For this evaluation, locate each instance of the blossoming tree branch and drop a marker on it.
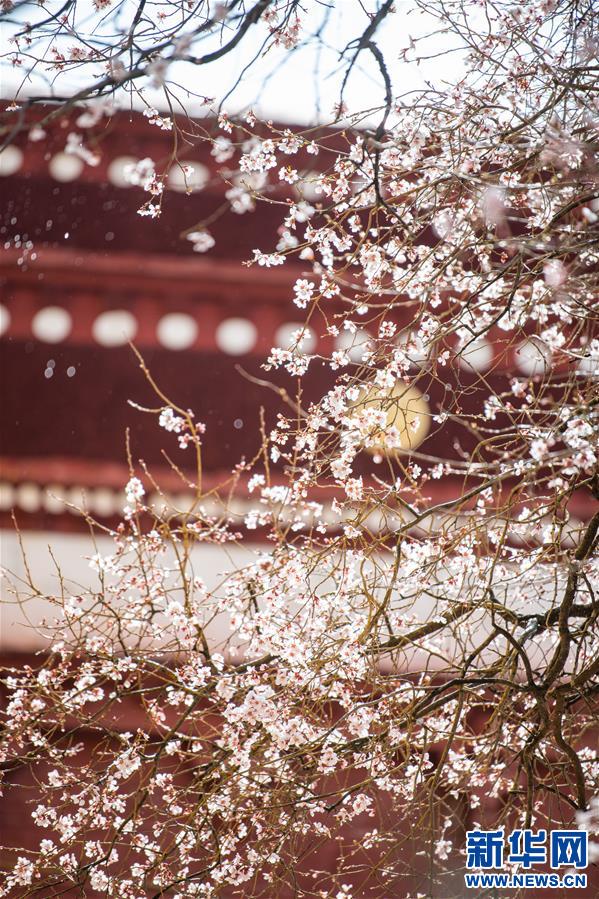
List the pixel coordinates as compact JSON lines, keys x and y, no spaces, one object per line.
{"x":415,"y":648}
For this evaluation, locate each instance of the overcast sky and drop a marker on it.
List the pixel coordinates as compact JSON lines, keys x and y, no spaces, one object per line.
{"x":299,"y":86}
